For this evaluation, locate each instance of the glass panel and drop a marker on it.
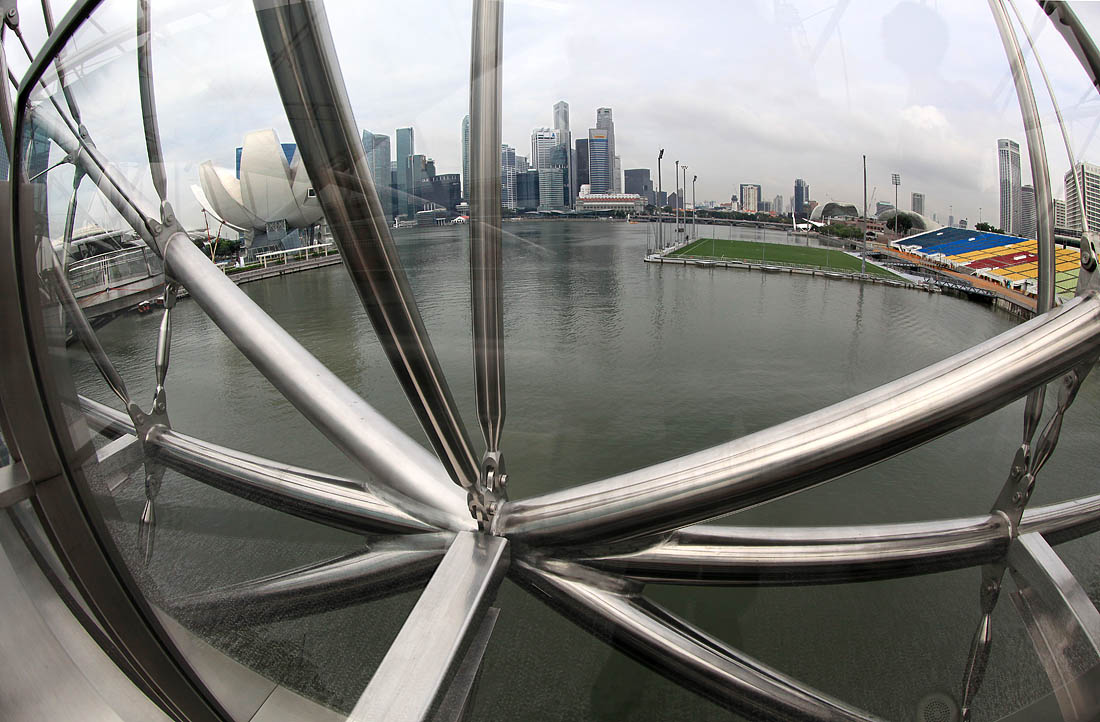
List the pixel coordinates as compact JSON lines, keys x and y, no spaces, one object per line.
{"x":657,"y":304}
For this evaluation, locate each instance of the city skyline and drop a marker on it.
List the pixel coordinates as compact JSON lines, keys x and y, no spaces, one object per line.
{"x":930,"y":111}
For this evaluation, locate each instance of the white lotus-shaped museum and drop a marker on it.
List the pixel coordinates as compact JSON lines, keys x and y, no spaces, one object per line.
{"x":269,"y":190}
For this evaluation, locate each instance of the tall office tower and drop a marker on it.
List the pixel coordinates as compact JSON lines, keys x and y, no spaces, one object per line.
{"x":606,"y":123}
{"x":638,"y":182}
{"x":1060,"y":213}
{"x":522,"y":166}
{"x":801,"y":197}
{"x":559,"y":160}
{"x":1029,"y":226}
{"x":581,"y":164}
{"x":565,"y":138}
{"x":1088,"y":175}
{"x":416,"y":170}
{"x":377,"y":148}
{"x":777,"y":205}
{"x":542,"y":141}
{"x":917,"y":203}
{"x":405,"y":149}
{"x":508,"y":176}
{"x":551,"y":189}
{"x":599,"y":161}
{"x":617,"y":180}
{"x":950,"y":221}
{"x":466,"y":158}
{"x":750,"y":198}
{"x":1008,"y":162}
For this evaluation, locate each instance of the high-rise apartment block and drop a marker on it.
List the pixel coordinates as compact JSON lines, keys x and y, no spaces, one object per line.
{"x":916,"y":204}
{"x":1008,"y":164}
{"x":751,"y":194}
{"x":1060,"y":213}
{"x":777,"y":205}
{"x":1088,"y":175}
{"x":508,"y":176}
{"x":1029,"y":227}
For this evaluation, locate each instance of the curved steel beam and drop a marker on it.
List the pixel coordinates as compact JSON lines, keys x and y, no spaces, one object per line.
{"x":384,"y":569}
{"x":307,"y":73}
{"x":674,"y":648}
{"x":817,"y":447}
{"x":331,"y":500}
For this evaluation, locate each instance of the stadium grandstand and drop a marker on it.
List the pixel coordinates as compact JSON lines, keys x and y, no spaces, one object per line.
{"x":1008,"y":260}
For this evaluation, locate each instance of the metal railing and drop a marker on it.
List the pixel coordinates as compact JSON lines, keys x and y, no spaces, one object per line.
{"x":111,"y":270}
{"x":586,"y":550}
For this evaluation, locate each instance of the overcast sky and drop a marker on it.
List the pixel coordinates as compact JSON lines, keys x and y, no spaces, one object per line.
{"x":743,"y":91}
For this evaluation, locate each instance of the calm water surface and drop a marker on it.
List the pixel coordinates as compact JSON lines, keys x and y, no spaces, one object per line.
{"x":612,"y":364}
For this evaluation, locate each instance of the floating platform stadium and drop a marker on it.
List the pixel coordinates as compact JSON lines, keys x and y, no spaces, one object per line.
{"x":1010,"y":261}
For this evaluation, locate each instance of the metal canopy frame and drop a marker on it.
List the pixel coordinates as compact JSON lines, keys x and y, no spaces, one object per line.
{"x":587,"y":551}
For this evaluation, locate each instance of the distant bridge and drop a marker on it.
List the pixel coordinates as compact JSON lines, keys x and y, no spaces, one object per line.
{"x":113,"y":282}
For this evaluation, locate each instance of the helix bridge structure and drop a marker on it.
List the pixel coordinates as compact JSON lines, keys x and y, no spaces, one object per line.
{"x":441,"y":520}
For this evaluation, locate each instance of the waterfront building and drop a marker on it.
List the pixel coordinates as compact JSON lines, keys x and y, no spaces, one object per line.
{"x":439,"y":192}
{"x":581,"y":162}
{"x":638,"y":182}
{"x":542,"y":141}
{"x":1008,"y":164}
{"x":416,"y":170}
{"x":1088,"y":174}
{"x":551,"y":189}
{"x":605,"y":122}
{"x":599,"y":161}
{"x":522,"y":166}
{"x":1029,"y":227}
{"x":527,"y":190}
{"x":508,"y":176}
{"x":801,"y":198}
{"x":559,"y":159}
{"x":777,"y":205}
{"x":595,"y":202}
{"x":751,"y":195}
{"x":916,"y":203}
{"x":882,"y":206}
{"x":406,"y":147}
{"x":565,"y":139}
{"x":1060,"y":213}
{"x":466,"y":158}
{"x":377,"y":148}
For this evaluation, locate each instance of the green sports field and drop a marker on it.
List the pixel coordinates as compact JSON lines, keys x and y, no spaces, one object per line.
{"x":779,"y":254}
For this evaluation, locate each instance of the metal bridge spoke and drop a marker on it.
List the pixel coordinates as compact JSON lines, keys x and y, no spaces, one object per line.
{"x":307,"y":73}
{"x":676,"y":649}
{"x":414,"y":674}
{"x":385,"y":568}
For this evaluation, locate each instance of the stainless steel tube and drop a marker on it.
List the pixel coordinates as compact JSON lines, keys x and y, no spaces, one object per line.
{"x":398,"y":463}
{"x":486,"y":57}
{"x":1036,"y":152}
{"x":385,"y":568}
{"x":307,"y":73}
{"x":677,"y":650}
{"x":718,"y":555}
{"x":324,"y":498}
{"x":817,"y":447}
{"x":149,"y":100}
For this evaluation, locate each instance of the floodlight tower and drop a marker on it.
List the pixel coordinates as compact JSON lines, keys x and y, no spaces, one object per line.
{"x":895,"y":178}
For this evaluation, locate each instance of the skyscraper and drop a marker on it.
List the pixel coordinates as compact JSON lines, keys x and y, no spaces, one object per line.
{"x":599,"y":161}
{"x":377,"y":148}
{"x":777,"y":205}
{"x":1060,"y":213}
{"x":1008,"y":163}
{"x":466,"y":158}
{"x":405,"y":149}
{"x":565,"y":139}
{"x":757,"y":196}
{"x":605,"y":122}
{"x":581,"y":164}
{"x":542,"y":141}
{"x":508,"y":176}
{"x":1028,"y":222}
{"x":551,"y":189}
{"x":801,"y":197}
{"x":637,"y":181}
{"x":416,"y":170}
{"x":617,"y":175}
{"x":917,"y":203}
{"x":1089,"y":176}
